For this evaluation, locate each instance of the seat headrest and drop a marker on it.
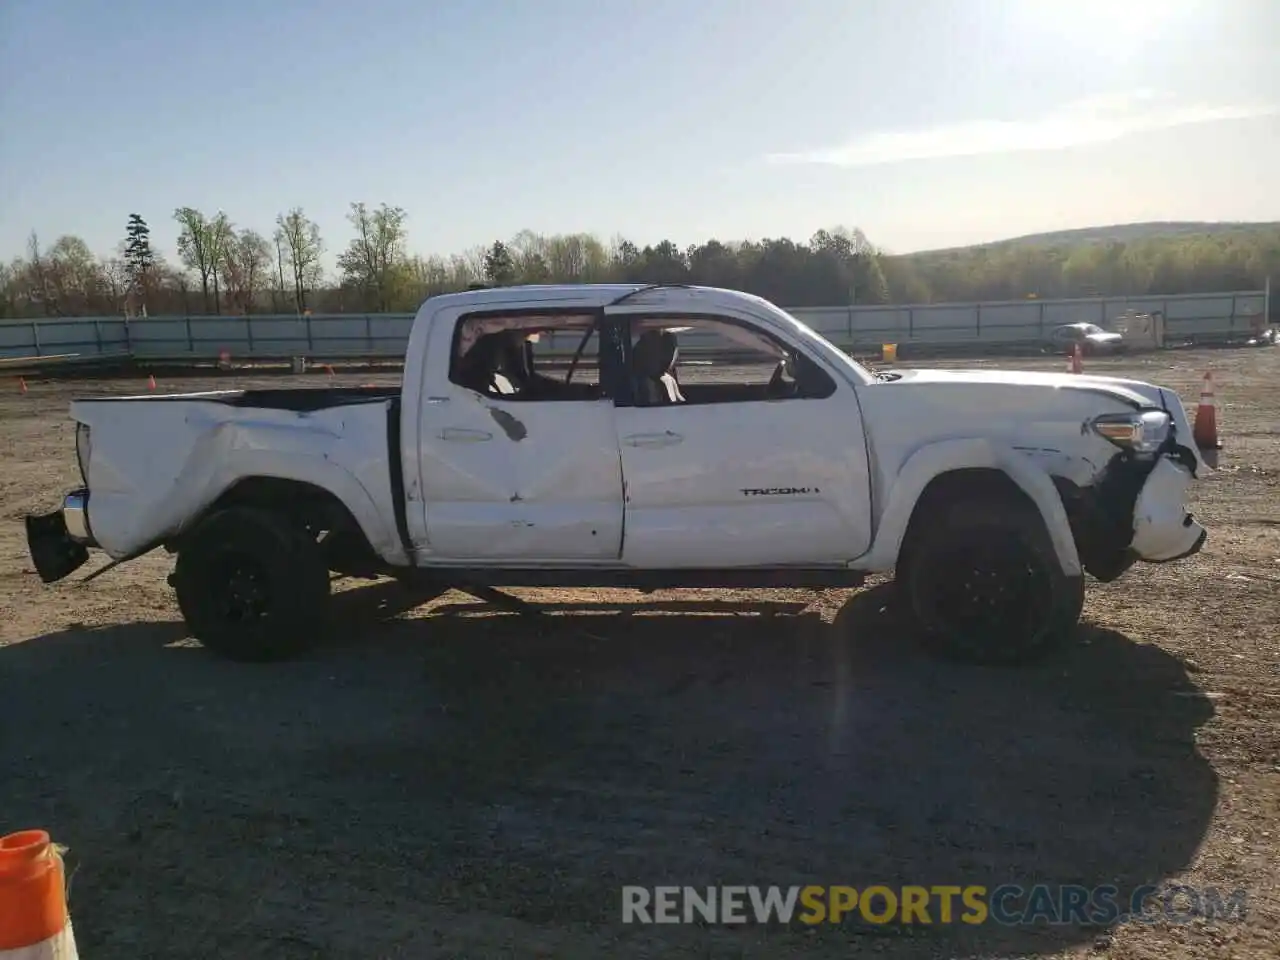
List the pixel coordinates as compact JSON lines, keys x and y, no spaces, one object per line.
{"x":515,"y":361}
{"x":654,"y":353}
{"x":486,"y":350}
{"x":478,"y":365}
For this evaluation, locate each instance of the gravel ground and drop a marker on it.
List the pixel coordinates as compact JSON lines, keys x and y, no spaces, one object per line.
{"x":452,"y":781}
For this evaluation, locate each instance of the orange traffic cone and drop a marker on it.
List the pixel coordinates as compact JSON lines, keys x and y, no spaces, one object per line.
{"x":1076,"y":362}
{"x":34,"y":923}
{"x":151,"y":382}
{"x":22,"y":384}
{"x":1205,"y":430}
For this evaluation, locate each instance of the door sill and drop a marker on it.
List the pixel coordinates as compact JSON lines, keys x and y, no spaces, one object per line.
{"x":543,"y":575}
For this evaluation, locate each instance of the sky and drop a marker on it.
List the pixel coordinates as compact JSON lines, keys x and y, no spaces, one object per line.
{"x":926,"y":123}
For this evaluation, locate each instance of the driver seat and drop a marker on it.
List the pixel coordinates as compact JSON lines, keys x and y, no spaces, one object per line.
{"x":653,"y":358}
{"x":483,"y":367}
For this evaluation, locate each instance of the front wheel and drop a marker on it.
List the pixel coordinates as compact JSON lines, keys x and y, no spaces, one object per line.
{"x":982,"y":584}
{"x":252,"y":585}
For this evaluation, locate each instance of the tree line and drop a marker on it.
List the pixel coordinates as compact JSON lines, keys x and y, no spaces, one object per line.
{"x":224,"y":269}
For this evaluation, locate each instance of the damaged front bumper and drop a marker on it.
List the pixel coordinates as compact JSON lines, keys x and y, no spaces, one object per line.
{"x":1136,"y":511}
{"x":1163,"y":530}
{"x":59,"y":542}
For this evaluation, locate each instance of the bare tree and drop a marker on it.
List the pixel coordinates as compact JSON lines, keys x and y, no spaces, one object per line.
{"x":302,"y":246}
{"x":244,"y":265}
{"x":429,"y":275}
{"x":74,"y":276}
{"x":10,"y":274}
{"x":119,"y":278}
{"x":529,"y":252}
{"x":177,"y":283}
{"x":462,"y":272}
{"x":277,"y":295}
{"x":38,"y":277}
{"x":475,"y":259}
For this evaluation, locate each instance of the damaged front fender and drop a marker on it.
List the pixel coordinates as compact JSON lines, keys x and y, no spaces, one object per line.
{"x":1162,"y":528}
{"x":1134,"y":510}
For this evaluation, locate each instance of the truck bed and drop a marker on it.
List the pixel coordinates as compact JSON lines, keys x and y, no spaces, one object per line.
{"x":156,"y":462}
{"x":297,"y":399}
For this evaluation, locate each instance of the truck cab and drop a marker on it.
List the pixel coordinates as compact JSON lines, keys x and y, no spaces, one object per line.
{"x":609,"y":433}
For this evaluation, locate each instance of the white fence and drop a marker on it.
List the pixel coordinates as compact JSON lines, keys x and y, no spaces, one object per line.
{"x":1202,"y":317}
{"x":1197,"y":317}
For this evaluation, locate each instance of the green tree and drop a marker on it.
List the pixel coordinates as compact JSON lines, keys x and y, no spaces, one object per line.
{"x":834,"y":267}
{"x":373,"y":260}
{"x":220,"y":237}
{"x":499,"y":267}
{"x":196,"y":246}
{"x":139,"y":261}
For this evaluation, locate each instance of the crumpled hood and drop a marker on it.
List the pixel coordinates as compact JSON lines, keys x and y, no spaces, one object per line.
{"x":1137,"y":392}
{"x":1133,"y":391}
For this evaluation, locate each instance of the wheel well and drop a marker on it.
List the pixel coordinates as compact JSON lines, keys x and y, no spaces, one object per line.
{"x":320,"y":512}
{"x":957,"y":486}
{"x":313,"y":506}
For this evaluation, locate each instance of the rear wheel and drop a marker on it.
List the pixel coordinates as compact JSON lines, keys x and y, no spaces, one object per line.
{"x":982,"y":583}
{"x":252,"y":585}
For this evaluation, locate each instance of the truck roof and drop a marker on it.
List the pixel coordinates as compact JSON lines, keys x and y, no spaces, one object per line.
{"x":691,"y":298}
{"x":588,"y":295}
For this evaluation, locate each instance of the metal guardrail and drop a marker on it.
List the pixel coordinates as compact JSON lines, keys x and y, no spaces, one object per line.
{"x":1201,"y":317}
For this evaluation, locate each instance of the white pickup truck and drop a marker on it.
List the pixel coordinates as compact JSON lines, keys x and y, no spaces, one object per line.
{"x":547,"y":435}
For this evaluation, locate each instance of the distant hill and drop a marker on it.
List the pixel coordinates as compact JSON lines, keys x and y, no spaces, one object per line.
{"x":1134,"y":259}
{"x":1122,"y":232}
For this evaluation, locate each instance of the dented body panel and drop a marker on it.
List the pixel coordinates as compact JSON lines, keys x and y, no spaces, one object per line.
{"x":1162,"y":530}
{"x":1035,"y":428}
{"x":156,"y":464}
{"x":517,"y":480}
{"x":439,"y":475}
{"x":491,"y":480}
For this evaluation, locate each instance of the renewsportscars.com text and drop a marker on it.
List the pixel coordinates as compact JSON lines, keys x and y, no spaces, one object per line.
{"x":1008,"y":904}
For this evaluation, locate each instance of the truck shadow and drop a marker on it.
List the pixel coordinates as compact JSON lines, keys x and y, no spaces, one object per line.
{"x":530,"y":770}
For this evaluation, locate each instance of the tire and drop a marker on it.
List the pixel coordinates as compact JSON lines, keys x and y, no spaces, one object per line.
{"x":982,"y":584}
{"x":252,"y":585}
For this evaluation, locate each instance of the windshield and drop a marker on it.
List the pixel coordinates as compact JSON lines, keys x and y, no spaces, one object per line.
{"x":826,"y":348}
{"x":1092,"y":328}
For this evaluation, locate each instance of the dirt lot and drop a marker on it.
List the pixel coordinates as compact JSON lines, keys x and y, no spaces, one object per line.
{"x":450,"y":781}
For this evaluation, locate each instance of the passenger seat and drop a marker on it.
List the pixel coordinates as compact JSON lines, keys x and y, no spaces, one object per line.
{"x":483,"y":364}
{"x":653,"y":358}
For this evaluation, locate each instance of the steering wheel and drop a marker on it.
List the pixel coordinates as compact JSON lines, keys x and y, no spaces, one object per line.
{"x":778,"y":387}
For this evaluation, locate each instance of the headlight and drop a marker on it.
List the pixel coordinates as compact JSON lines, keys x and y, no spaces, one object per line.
{"x":1143,"y":433}
{"x":83,"y":449}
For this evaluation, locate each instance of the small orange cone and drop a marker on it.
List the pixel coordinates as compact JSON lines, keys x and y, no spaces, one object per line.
{"x":34,"y":923}
{"x":329,"y":367}
{"x":1205,"y":430}
{"x":22,"y":384}
{"x":151,"y":382}
{"x":1076,"y":363}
